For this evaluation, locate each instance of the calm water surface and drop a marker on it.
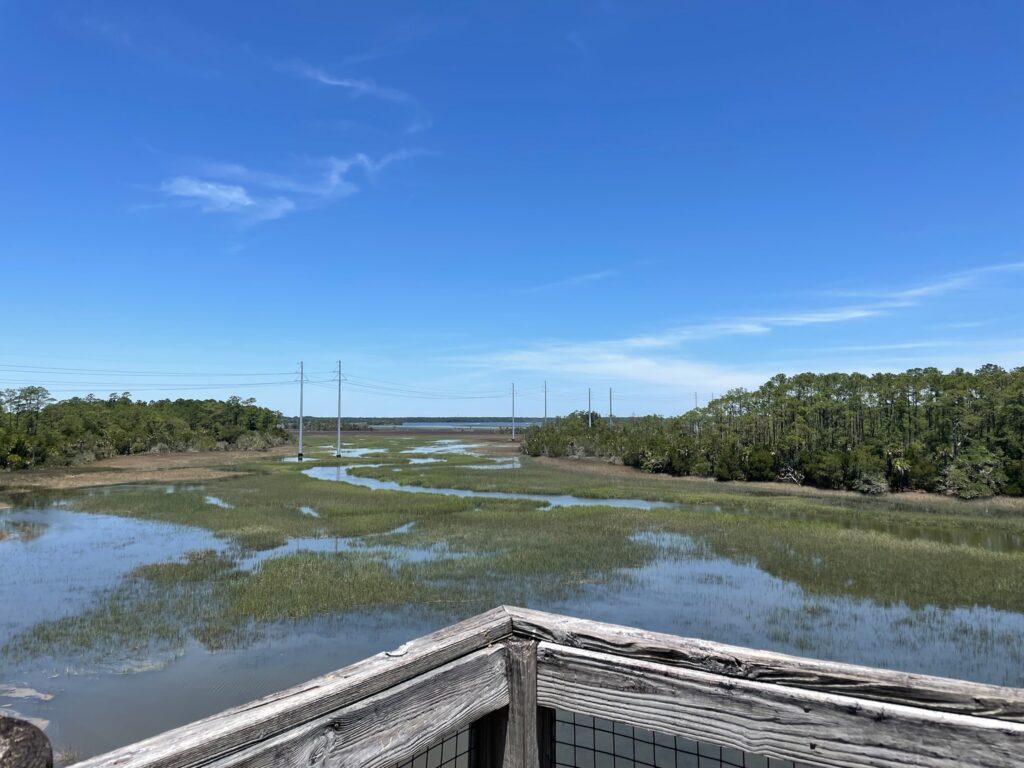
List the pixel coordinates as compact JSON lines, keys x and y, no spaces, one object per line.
{"x":59,"y":562}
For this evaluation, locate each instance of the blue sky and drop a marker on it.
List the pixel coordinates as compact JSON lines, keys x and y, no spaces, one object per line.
{"x":662,"y":198}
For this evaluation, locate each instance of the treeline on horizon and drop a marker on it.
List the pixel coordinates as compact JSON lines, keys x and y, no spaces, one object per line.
{"x":958,"y":433}
{"x":37,"y":430}
{"x":354,"y":423}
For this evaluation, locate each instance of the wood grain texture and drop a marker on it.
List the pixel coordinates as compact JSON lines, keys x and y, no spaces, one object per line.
{"x":23,"y":745}
{"x":204,"y":741}
{"x":390,"y":727}
{"x":821,"y":729}
{"x":521,"y":737}
{"x":935,"y":693}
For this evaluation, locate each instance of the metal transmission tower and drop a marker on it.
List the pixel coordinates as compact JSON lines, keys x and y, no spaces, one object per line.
{"x":338,"y":452}
{"x":302,"y":383}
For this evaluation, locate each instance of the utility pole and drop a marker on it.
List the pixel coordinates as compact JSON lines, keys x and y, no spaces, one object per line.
{"x":609,"y":405}
{"x":545,"y":401}
{"x":513,"y":410}
{"x":302,"y":383}
{"x":338,"y":453}
{"x":590,"y":410}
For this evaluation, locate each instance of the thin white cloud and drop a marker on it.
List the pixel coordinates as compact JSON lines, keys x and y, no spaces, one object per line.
{"x":938,"y":286}
{"x":969,"y":324}
{"x":214,"y":197}
{"x":589,"y":277}
{"x":603,"y":362}
{"x":816,"y":317}
{"x":357,"y":87}
{"x":746,"y":326}
{"x":882,"y":304}
{"x":661,"y":359}
{"x":231,"y":188}
{"x":975,"y":344}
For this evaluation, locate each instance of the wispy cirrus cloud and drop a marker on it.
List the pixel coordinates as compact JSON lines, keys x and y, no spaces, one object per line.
{"x":331,"y":177}
{"x":255,"y":195}
{"x":363,"y":87}
{"x":746,"y":326}
{"x":215,"y":197}
{"x":607,"y":361}
{"x":663,"y":359}
{"x":569,"y":282}
{"x":937,"y":286}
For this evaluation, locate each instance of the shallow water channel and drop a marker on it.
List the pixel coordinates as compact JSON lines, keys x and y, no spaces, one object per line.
{"x":342,"y":474}
{"x":58,"y":563}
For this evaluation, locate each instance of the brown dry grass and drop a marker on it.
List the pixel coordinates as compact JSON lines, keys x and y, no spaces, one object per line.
{"x":595,"y":466}
{"x":202,"y":465}
{"x":143,"y":468}
{"x":92,"y":479}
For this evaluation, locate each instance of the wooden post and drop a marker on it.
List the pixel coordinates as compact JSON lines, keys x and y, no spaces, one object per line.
{"x":521,"y":746}
{"x":23,"y":745}
{"x":505,"y":670}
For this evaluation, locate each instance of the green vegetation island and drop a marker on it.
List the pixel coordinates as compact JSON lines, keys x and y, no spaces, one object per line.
{"x":36,"y":430}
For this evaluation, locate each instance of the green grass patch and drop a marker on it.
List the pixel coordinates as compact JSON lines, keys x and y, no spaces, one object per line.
{"x":463,"y":555}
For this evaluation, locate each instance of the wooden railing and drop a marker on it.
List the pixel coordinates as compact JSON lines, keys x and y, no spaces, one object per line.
{"x":505,"y":671}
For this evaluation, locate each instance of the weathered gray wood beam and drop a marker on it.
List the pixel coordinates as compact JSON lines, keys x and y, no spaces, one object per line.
{"x":521,"y":737}
{"x":390,"y":727}
{"x":204,"y":741}
{"x":935,"y":693}
{"x":822,"y":729}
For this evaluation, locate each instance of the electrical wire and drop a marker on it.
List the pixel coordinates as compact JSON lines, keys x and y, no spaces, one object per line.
{"x":67,"y":379}
{"x":5,"y":367}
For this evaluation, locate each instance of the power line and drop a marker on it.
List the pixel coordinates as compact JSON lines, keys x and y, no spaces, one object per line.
{"x":77,"y":380}
{"x":175,"y":388}
{"x":372,"y":382}
{"x":129,"y":384}
{"x":61,"y":371}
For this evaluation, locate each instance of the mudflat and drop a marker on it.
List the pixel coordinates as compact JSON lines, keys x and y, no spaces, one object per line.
{"x":141,"y":468}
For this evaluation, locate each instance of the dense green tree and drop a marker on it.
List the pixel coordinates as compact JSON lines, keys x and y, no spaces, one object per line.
{"x":959,"y":433}
{"x":37,"y":430}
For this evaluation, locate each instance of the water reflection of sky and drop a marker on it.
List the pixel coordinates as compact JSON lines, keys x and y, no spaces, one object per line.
{"x":343,"y":475}
{"x":685,"y":589}
{"x":59,"y":572}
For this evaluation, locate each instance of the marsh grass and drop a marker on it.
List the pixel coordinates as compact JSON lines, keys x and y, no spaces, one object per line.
{"x":472,"y":553}
{"x":198,"y":566}
{"x":132,"y":621}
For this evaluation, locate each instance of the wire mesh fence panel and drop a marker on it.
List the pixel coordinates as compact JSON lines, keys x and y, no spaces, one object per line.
{"x":459,"y":750}
{"x":582,"y":741}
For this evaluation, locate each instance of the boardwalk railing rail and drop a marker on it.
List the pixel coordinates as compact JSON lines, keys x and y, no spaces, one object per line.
{"x":505,"y":672}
